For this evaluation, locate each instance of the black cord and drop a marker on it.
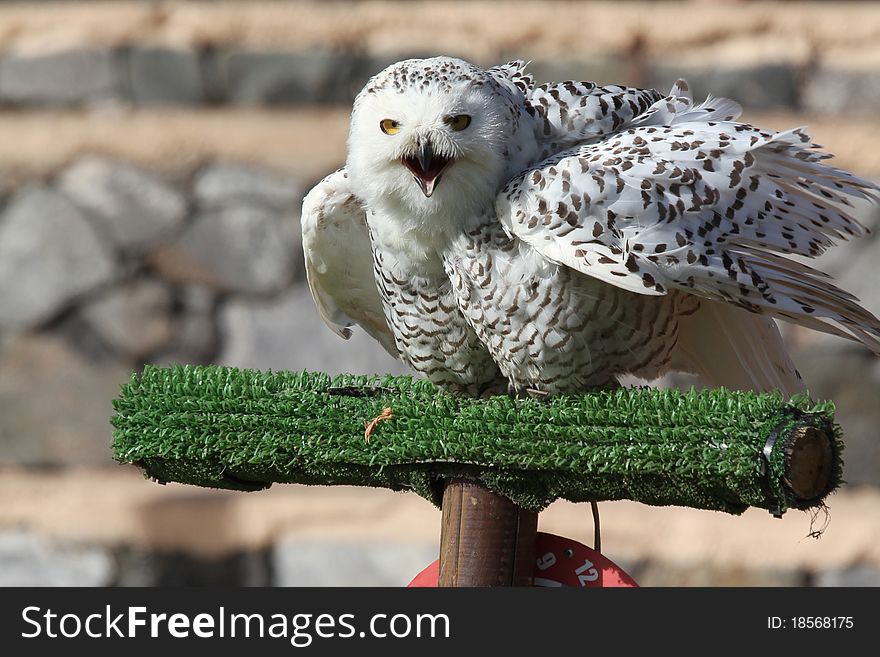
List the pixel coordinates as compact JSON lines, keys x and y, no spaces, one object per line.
{"x":597,"y":530}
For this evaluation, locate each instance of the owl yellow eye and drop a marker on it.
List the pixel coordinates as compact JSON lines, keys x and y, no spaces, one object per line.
{"x":389,"y":126}
{"x":459,"y":122}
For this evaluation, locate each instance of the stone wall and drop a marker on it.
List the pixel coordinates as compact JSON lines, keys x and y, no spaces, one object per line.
{"x":107,"y":266}
{"x":153,"y":158}
{"x":803,"y":56}
{"x":93,"y":525}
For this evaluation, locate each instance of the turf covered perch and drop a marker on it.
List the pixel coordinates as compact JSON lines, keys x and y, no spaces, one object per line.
{"x":241,"y":429}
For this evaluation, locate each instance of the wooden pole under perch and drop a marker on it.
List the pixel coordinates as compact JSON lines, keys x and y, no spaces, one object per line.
{"x":485,"y":539}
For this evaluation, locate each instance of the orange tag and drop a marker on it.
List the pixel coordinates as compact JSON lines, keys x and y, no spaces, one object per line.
{"x":560,"y":562}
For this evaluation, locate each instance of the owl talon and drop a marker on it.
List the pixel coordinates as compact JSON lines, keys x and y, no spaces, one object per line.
{"x":527,"y":393}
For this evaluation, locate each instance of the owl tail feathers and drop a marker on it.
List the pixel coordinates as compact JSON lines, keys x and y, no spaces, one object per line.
{"x":734,"y":348}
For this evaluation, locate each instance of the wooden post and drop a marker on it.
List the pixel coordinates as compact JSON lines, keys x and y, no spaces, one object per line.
{"x":485,"y":539}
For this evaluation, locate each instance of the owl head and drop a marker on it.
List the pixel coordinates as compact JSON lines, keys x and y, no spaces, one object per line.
{"x":437,"y":138}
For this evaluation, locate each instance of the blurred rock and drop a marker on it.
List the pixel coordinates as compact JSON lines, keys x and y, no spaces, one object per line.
{"x":662,"y":573}
{"x":134,"y":208}
{"x":8,"y":183}
{"x":194,"y":342}
{"x":55,"y":405}
{"x":156,"y":568}
{"x":846,"y":373}
{"x":28,"y":560}
{"x":289,"y":334}
{"x":160,"y":76}
{"x":834,"y":90}
{"x":602,"y":70}
{"x":238,"y":248}
{"x":858,"y":273}
{"x":134,"y":319}
{"x":855,"y":576}
{"x":290,"y":77}
{"x":78,"y":334}
{"x":49,"y":255}
{"x":197,"y":299}
{"x":303,"y":562}
{"x":61,"y":78}
{"x":771,"y":86}
{"x":224,"y":183}
{"x":194,"y":329}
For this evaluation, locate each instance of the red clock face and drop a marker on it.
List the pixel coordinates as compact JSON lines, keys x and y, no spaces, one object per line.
{"x":559,"y":562}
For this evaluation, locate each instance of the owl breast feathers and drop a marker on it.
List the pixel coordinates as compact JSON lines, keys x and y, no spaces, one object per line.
{"x":498,"y":235}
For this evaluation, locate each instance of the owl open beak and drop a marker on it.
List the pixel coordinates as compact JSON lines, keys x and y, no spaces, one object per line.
{"x":426,"y":167}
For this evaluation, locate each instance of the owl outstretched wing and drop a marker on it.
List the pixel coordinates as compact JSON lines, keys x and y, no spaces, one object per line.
{"x":686,"y":198}
{"x":339,"y":263}
{"x":571,"y":112}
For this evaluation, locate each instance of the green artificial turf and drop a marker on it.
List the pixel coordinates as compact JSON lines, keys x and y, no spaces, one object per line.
{"x":243,"y":429}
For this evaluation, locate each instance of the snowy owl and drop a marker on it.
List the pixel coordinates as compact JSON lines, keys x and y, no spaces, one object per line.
{"x":497,"y":235}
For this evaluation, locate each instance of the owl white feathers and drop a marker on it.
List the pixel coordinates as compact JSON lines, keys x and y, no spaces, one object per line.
{"x":496,"y":235}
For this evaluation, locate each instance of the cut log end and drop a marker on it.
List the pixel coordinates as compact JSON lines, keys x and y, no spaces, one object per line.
{"x":809,"y":460}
